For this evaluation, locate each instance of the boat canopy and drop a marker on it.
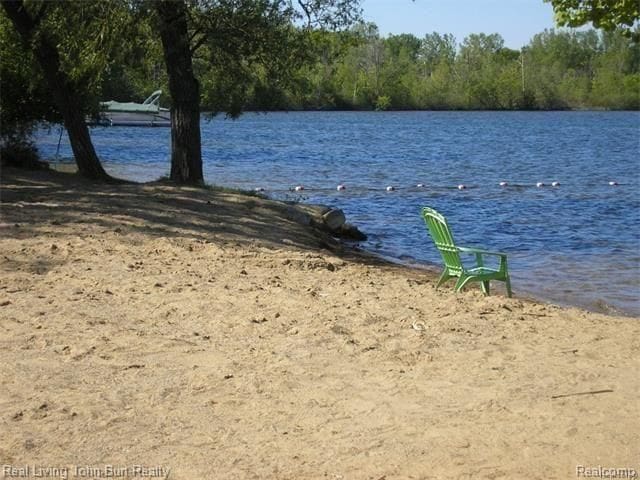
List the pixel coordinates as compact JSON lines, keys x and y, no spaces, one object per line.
{"x":150,"y":105}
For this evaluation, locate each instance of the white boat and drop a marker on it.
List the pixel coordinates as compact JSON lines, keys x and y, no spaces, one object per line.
{"x":130,"y":114}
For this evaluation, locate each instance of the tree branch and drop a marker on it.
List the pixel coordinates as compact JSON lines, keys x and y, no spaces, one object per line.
{"x":40,"y":13}
{"x":195,"y":32}
{"x":306,"y":11}
{"x":198,"y":44}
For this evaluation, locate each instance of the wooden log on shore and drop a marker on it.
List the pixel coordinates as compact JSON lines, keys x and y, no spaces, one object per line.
{"x":327,"y":219}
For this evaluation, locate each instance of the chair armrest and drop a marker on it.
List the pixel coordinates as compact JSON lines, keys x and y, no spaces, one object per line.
{"x":480,"y":251}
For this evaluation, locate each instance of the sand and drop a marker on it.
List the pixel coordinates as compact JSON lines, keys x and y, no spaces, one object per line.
{"x":205,"y":334}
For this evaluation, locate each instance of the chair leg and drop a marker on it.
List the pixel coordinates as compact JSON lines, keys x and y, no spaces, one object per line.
{"x":508,"y":285}
{"x":485,"y":287}
{"x":462,"y":281}
{"x":443,"y":278}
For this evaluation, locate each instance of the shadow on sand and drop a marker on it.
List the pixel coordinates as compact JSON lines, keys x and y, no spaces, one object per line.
{"x":50,"y":203}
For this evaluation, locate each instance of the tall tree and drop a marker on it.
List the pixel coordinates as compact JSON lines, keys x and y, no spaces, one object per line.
{"x":63,"y":87}
{"x":186,"y":153}
{"x":436,"y":49}
{"x":235,"y":31}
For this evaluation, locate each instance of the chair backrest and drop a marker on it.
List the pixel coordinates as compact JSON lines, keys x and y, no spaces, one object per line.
{"x":443,"y":238}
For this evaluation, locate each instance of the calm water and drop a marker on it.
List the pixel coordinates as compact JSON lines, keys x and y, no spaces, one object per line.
{"x":573,"y":244}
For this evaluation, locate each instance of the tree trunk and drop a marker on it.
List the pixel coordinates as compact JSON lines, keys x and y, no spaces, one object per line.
{"x":186,"y":154}
{"x":61,"y":87}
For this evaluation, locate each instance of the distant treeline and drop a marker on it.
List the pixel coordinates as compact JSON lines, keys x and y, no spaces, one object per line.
{"x":360,"y":70}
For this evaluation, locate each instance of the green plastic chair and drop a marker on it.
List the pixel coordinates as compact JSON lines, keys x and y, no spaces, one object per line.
{"x":453,"y":266}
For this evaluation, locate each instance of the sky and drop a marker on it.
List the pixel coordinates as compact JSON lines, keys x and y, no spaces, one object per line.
{"x":517,"y":21}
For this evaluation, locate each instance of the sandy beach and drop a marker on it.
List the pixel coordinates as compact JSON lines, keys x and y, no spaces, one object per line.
{"x":203,"y":334}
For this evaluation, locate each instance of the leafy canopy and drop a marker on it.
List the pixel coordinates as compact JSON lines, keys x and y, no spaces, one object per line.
{"x":604,"y":14}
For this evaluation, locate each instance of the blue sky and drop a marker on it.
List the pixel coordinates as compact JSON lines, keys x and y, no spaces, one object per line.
{"x":516,"y":20}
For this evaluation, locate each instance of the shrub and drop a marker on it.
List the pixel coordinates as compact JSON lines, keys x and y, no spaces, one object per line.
{"x":19,"y":151}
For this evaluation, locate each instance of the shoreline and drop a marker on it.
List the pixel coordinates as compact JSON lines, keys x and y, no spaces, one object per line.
{"x":213,"y":334}
{"x":595,"y":306}
{"x":585,"y":109}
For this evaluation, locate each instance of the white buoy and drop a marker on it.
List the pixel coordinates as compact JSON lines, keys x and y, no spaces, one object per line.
{"x":259,"y":189}
{"x":555,"y":184}
{"x":299,"y":188}
{"x":390,"y":188}
{"x":461,"y":187}
{"x":539,"y":184}
{"x":613,"y":184}
{"x":420,"y":185}
{"x":503,"y":184}
{"x":341,"y":187}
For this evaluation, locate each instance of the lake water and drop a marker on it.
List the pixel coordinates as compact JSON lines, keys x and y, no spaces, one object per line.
{"x":576,"y":244}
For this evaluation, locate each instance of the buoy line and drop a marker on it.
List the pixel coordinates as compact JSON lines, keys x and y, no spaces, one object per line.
{"x":342,"y":187}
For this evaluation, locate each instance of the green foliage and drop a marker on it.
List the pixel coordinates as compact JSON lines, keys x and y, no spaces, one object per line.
{"x":616,"y":82}
{"x":88,"y":37}
{"x":137,"y":68}
{"x":262,"y":54}
{"x":557,"y":70}
{"x":19,"y":151}
{"x":276,"y":66}
{"x":25,"y":99}
{"x":608,"y":15}
{"x":248,"y":49}
{"x":382,"y":103}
